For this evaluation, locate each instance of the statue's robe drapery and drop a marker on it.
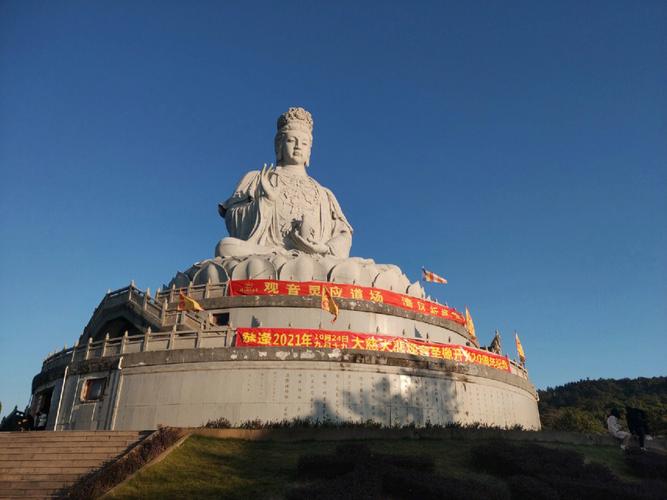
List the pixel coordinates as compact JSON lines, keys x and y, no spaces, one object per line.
{"x":251,"y":217}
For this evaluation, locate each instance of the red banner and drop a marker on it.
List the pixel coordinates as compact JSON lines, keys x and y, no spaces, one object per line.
{"x":344,"y":291}
{"x":328,"y":339}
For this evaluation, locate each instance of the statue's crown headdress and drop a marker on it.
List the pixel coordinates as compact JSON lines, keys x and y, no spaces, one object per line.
{"x":295,"y":119}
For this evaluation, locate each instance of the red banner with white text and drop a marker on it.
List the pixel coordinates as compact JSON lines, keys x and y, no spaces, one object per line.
{"x":328,"y":339}
{"x":344,"y":291}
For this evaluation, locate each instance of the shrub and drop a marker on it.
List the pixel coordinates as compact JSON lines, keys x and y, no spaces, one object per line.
{"x":506,"y":459}
{"x":354,"y":471}
{"x":424,"y":486}
{"x":576,"y":420}
{"x":219,"y":423}
{"x":530,"y":488}
{"x":323,"y":466}
{"x":646,"y":464}
{"x":253,"y":424}
{"x":530,"y":467}
{"x":360,"y":484}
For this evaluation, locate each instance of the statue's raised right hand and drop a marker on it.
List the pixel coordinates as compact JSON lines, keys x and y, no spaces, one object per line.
{"x":265,"y":180}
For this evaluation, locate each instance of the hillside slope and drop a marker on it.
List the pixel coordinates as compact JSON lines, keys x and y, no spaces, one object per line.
{"x":583,"y":406}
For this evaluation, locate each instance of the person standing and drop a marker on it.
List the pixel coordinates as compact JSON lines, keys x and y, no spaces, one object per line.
{"x":637,"y":424}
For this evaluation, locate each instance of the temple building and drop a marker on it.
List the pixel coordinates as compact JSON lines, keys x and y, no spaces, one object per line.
{"x":280,"y":324}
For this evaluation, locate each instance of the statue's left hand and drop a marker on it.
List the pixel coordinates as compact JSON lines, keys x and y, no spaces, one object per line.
{"x":309,"y":246}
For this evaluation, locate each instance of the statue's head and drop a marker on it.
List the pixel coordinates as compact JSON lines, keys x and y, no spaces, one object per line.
{"x":294,"y":137}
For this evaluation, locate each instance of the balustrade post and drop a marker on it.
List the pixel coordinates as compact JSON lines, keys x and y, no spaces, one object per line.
{"x":90,"y":341}
{"x":163,"y":311}
{"x":230,"y":330}
{"x":74,"y":348}
{"x":198,"y":341}
{"x":123,"y":342}
{"x":171,"y":292}
{"x":104,"y":345}
{"x":147,"y":337}
{"x":207,"y":286}
{"x":172,"y":335}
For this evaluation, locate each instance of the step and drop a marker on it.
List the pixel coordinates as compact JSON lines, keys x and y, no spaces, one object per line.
{"x":65,"y":442}
{"x":49,"y":464}
{"x":34,"y":493}
{"x":49,"y":443}
{"x":100,"y":434}
{"x":48,"y":447}
{"x":54,"y":455}
{"x":79,"y":470}
{"x":29,"y":494}
{"x":107,"y":448}
{"x":73,"y":443}
{"x":72,"y":437}
{"x":78,"y":441}
{"x":32,"y":485}
{"x":18,"y":476}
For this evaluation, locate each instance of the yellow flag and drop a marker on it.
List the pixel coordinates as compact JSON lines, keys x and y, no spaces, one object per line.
{"x":519,"y":348}
{"x":186,"y":303}
{"x":470,"y":326}
{"x":329,"y":304}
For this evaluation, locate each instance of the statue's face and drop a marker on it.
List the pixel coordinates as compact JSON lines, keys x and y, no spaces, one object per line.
{"x":295,"y":148}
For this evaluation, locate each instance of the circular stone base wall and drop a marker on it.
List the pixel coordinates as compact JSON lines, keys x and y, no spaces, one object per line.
{"x":188,"y":387}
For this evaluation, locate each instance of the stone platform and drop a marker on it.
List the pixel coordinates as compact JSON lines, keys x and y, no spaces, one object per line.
{"x":183,"y":369}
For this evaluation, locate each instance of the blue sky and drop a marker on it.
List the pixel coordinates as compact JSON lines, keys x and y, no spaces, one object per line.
{"x":517,"y":148}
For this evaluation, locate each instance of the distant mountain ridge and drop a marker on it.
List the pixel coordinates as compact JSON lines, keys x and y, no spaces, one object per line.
{"x":584,"y":405}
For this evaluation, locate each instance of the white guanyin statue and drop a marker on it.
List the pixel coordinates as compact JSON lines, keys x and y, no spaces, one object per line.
{"x":282,"y":209}
{"x":284,"y":225}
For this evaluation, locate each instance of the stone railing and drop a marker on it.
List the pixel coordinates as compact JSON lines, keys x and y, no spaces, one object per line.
{"x":157,"y":307}
{"x":150,"y":341}
{"x":195,"y":333}
{"x":162,"y":341}
{"x":518,"y":369}
{"x":197,"y":292}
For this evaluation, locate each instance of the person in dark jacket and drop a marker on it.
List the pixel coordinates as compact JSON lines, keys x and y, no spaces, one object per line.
{"x":637,"y":423}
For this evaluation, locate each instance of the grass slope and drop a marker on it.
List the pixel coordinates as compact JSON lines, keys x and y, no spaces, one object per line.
{"x":205,"y":467}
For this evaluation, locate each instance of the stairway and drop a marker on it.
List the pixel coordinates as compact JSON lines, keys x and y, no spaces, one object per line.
{"x":40,"y":464}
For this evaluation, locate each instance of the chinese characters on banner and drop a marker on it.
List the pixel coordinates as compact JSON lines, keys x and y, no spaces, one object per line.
{"x":327,"y":339}
{"x":344,"y":291}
